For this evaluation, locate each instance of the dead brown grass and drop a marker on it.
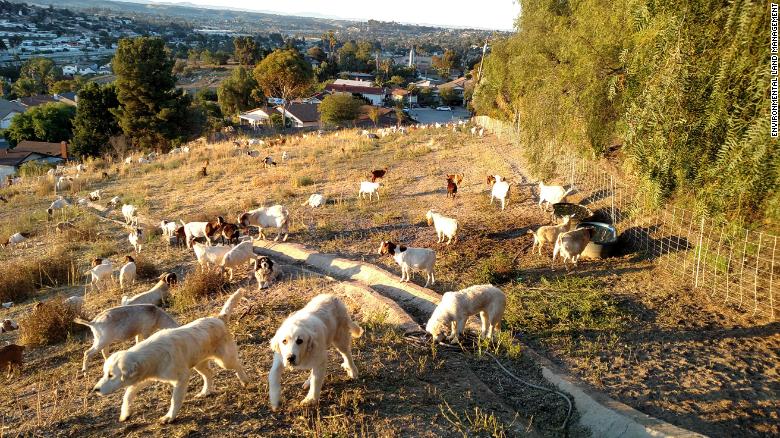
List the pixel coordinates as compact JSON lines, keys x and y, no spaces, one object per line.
{"x":21,"y":278}
{"x":197,"y":287}
{"x":50,"y":323}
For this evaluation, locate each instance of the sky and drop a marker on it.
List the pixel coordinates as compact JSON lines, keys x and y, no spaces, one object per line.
{"x":483,"y":14}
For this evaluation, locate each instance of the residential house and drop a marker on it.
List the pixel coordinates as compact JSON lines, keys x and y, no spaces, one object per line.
{"x":40,"y":99}
{"x":69,"y":98}
{"x":404,"y":96}
{"x":12,"y":159}
{"x":364,"y":89}
{"x":256,"y":117}
{"x":357,"y":76}
{"x":458,"y":87}
{"x":8,"y":109}
{"x":301,"y":115}
{"x":316,"y":98}
{"x":387,"y":117}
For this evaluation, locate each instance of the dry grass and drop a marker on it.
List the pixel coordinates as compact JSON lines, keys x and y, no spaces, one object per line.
{"x":21,"y":278}
{"x":198,"y":286}
{"x":50,"y":323}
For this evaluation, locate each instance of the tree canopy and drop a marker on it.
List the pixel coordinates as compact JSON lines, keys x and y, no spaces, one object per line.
{"x":680,"y":88}
{"x":284,"y":74}
{"x":238,"y":92}
{"x":94,"y":124}
{"x":51,"y":122}
{"x":151,"y":110}
{"x":337,"y":109}
{"x":36,"y":76}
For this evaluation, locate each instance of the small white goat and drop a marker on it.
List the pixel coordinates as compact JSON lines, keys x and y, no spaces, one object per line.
{"x":571,"y":244}
{"x":57,"y":204}
{"x":168,"y":228}
{"x":314,"y":201}
{"x":499,"y":190}
{"x":552,"y":194}
{"x":194,"y":230}
{"x":94,"y":195}
{"x":368,"y":187}
{"x":130,"y":213}
{"x":411,"y":259}
{"x":63,"y":183}
{"x":549,"y":233}
{"x":445,"y":226}
{"x":209,"y":255}
{"x":276,"y":216}
{"x":74,"y":303}
{"x":15,"y":239}
{"x":136,"y":237}
{"x":100,"y":272}
{"x":240,"y":254}
{"x":115,"y":201}
{"x":127,"y":272}
{"x":157,"y":295}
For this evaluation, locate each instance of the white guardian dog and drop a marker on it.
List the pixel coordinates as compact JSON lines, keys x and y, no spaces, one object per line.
{"x":168,"y":355}
{"x":302,"y":343}
{"x":455,"y":309}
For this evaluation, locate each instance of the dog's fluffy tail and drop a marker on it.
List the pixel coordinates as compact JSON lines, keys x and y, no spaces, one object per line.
{"x":125,"y":298}
{"x":230,"y":304}
{"x":83,"y":322}
{"x":356,"y":330}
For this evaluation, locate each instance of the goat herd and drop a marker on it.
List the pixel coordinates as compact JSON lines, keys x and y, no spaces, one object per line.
{"x":167,"y":352}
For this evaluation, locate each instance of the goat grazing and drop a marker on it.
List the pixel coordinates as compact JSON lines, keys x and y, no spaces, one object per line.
{"x":445,"y":226}
{"x":377,"y":174}
{"x":127,"y":273}
{"x":238,"y":255}
{"x":209,"y":255}
{"x":100,"y":272}
{"x":314,"y":201}
{"x":168,"y":228}
{"x":157,"y":295}
{"x":411,"y":259}
{"x":571,"y":244}
{"x":10,"y":357}
{"x":130,"y":213}
{"x":369,"y":188}
{"x":276,"y":216}
{"x":57,"y":204}
{"x":552,"y":194}
{"x":549,"y":233}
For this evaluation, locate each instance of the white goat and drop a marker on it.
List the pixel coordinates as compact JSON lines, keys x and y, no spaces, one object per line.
{"x":94,"y":195}
{"x":276,"y":216}
{"x":411,"y":259}
{"x":552,"y":194}
{"x":194,"y":230}
{"x":445,"y":226}
{"x":368,"y":187}
{"x":130,"y":213}
{"x":157,"y":295}
{"x":500,"y":191}
{"x":571,"y":244}
{"x":209,"y":255}
{"x":100,"y":272}
{"x":136,"y":237}
{"x":314,"y":201}
{"x":127,"y":273}
{"x":168,"y":228}
{"x":240,"y":254}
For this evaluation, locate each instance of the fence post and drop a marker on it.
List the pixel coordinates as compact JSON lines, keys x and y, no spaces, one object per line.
{"x":612,"y":197}
{"x":755,"y":274}
{"x":717,"y":260}
{"x":687,"y":243}
{"x":698,"y":253}
{"x":742,"y":270}
{"x":771,"y":280}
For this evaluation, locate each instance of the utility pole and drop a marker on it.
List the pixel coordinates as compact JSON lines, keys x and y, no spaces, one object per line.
{"x":481,"y":61}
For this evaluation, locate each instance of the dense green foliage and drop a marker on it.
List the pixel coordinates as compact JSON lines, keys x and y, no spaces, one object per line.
{"x":337,"y":109}
{"x":52,"y":122}
{"x":37,"y":75}
{"x":152,"y":111}
{"x":238,"y":92}
{"x":94,"y":124}
{"x":284,"y":74}
{"x":683,"y":86}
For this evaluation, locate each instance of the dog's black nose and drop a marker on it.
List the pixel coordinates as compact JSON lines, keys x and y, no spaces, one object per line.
{"x":291,"y":359}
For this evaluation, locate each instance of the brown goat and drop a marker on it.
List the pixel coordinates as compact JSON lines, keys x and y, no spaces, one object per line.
{"x":230,"y":232}
{"x":10,"y":357}
{"x":378,"y":173}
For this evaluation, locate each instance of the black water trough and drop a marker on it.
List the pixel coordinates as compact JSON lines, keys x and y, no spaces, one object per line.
{"x":603,"y":243}
{"x":577,"y":212}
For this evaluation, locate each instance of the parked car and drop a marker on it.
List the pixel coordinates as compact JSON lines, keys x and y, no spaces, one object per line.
{"x":443,"y":108}
{"x":276,"y":101}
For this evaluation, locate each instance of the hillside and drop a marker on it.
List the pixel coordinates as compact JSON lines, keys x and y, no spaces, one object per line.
{"x":620,"y":324}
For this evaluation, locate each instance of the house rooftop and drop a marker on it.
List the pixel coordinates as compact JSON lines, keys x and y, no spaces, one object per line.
{"x":42,"y":147}
{"x":305,"y":112}
{"x":344,"y":88}
{"x":36,"y":100}
{"x":7,"y":107}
